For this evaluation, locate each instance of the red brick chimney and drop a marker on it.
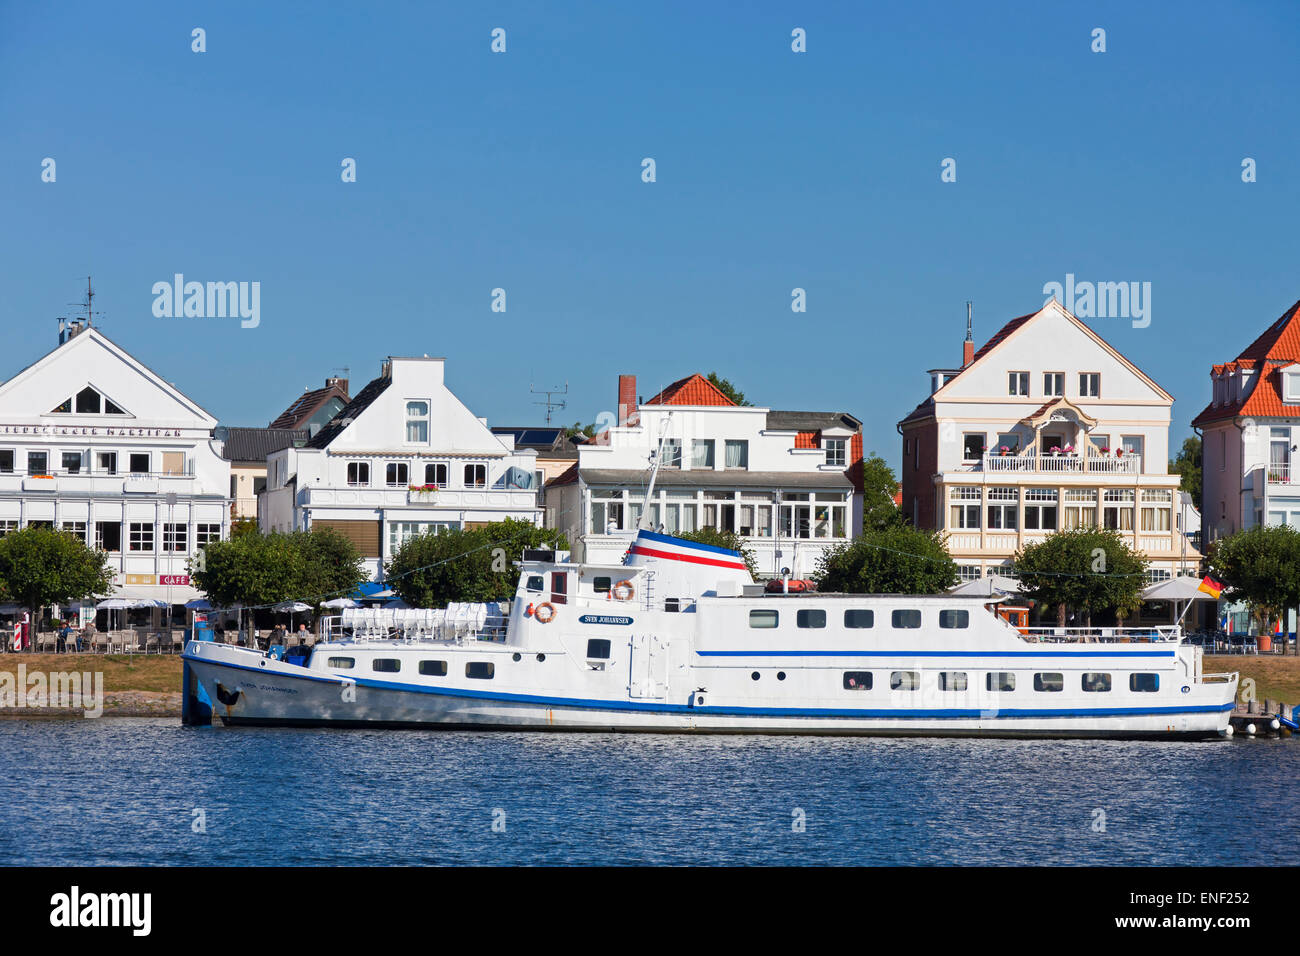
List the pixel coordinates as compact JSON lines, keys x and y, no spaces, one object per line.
{"x":968,"y":347}
{"x":626,"y":398}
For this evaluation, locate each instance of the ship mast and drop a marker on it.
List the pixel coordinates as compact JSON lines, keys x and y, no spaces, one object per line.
{"x":644,"y":523}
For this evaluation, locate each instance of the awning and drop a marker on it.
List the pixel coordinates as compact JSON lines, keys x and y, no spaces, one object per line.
{"x":995,"y":585}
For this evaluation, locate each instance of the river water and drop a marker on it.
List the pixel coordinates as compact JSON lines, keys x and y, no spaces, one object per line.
{"x":135,"y":791}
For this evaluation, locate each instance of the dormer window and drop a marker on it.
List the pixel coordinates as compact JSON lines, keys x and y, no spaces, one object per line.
{"x":417,"y":422}
{"x":1291,"y":388}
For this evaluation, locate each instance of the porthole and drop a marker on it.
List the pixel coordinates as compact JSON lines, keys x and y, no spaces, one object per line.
{"x":780,"y":675}
{"x":517,"y":656}
{"x":754,"y":676}
{"x":540,"y":658}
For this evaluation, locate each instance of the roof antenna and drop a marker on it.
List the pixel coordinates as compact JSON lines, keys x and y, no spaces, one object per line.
{"x":550,"y":403}
{"x":90,"y":298}
{"x":968,"y":325}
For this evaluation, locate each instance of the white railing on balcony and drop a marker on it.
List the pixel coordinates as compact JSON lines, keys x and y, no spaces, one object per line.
{"x":1281,"y":474}
{"x":1063,"y":463}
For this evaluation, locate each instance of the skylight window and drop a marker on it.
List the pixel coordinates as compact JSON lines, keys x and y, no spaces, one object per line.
{"x":88,"y":402}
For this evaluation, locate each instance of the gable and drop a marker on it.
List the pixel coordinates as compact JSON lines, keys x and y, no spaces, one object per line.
{"x":39,"y":393}
{"x":1051,"y":341}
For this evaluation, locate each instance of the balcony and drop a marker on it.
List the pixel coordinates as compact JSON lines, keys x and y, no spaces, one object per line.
{"x":1062,"y":463}
{"x":1282,"y":474}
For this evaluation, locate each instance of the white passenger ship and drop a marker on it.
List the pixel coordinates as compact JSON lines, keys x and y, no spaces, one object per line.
{"x":679,"y":639}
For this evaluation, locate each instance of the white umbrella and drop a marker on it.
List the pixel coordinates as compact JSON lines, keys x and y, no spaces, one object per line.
{"x":995,"y":585}
{"x":292,"y":607}
{"x":339,"y":603}
{"x":1182,"y":588}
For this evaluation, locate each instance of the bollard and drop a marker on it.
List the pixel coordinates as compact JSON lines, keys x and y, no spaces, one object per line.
{"x":1252,"y":707}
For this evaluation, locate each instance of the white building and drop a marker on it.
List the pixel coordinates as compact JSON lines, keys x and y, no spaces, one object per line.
{"x":92,"y":441}
{"x":1046,"y":427}
{"x":1250,"y":433}
{"x":789,"y":483}
{"x":402,"y":458}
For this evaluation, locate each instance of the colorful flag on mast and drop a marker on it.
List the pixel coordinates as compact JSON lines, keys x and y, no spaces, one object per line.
{"x":1211,"y":587}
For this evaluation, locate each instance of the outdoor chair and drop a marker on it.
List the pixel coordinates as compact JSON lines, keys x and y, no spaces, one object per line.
{"x":98,"y":642}
{"x":47,"y":641}
{"x":153,"y":643}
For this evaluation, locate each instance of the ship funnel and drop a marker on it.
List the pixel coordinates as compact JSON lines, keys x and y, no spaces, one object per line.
{"x":688,"y":569}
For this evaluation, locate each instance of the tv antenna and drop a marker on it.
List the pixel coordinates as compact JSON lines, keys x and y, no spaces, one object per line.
{"x":551,"y":403}
{"x":90,"y":298}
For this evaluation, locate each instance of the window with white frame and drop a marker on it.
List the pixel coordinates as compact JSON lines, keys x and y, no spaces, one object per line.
{"x":476,"y":476}
{"x":1003,"y":508}
{"x":1018,"y":383}
{"x":1008,"y":443}
{"x":397,"y":474}
{"x":74,"y":527}
{"x":836,"y":451}
{"x":359,"y":473}
{"x":672,"y":451}
{"x":607,"y":513}
{"x":1040,"y":509}
{"x":72,"y":462}
{"x":205,"y":532}
{"x":1089,"y":384}
{"x":737,"y":450}
{"x":972,"y":446}
{"x":175,"y":537}
{"x":1292,"y":393}
{"x":435,"y":473}
{"x":400,"y":532}
{"x":1080,"y":508}
{"x":1157,"y":509}
{"x":1132,"y":445}
{"x":417,"y":422}
{"x":1053,"y":383}
{"x":968,"y":572}
{"x":964,"y":507}
{"x":1117,"y":509}
{"x":140,"y":536}
{"x":702,"y":453}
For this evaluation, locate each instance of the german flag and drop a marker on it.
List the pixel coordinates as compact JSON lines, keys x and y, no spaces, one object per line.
{"x":1211,"y":587}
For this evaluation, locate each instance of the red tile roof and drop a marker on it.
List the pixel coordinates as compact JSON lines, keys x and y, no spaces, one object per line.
{"x":692,"y":390}
{"x":806,"y":440}
{"x":1277,"y":347}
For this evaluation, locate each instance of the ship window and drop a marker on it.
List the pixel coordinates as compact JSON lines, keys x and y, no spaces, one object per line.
{"x":387,"y":665}
{"x":1049,"y":682}
{"x":1000,"y":681}
{"x":763,"y":618}
{"x":1144,"y":683}
{"x":952,"y":680}
{"x":810,"y":617}
{"x":954,"y":619}
{"x":433,"y":668}
{"x":859,"y":617}
{"x":598,"y":647}
{"x":1096,"y":683}
{"x":536,"y":582}
{"x":910,"y":618}
{"x":857,"y":680}
{"x":904,"y":680}
{"x":480,"y":670}
{"x":342,"y":663}
{"x":602,"y":585}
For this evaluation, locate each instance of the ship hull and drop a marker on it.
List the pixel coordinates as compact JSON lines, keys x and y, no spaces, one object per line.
{"x":250,"y":690}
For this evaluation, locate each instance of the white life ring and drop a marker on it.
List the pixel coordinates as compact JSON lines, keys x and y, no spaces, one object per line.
{"x":545,"y":613}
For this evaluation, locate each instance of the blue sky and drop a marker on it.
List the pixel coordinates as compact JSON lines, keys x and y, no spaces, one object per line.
{"x":522,"y":171}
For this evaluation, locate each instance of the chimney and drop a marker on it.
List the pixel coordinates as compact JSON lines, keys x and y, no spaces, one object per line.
{"x":340,"y":383}
{"x":627,"y":404}
{"x":968,"y":347}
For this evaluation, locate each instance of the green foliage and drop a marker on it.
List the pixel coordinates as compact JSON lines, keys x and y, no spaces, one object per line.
{"x":726,"y":388}
{"x":474,"y":564}
{"x":40,"y":566}
{"x":577,"y":428}
{"x":898,"y":559}
{"x":724,"y":539}
{"x":1087,"y":569}
{"x":1188,"y":464}
{"x":1260,"y":567}
{"x":243,"y":526}
{"x":879,"y":485}
{"x":257,"y":569}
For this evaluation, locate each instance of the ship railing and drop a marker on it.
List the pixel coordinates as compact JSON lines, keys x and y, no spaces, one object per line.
{"x":1219,"y":678}
{"x":1161,"y":634}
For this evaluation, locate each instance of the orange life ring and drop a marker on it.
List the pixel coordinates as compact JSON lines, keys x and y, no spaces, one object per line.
{"x":545,"y":613}
{"x":623,"y":591}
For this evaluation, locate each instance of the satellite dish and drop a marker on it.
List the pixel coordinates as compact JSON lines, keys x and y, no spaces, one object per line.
{"x":221,"y":433}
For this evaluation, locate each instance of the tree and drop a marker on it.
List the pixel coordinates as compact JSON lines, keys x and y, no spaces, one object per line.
{"x":724,"y":539}
{"x":898,"y":559}
{"x":1260,"y":567}
{"x":1188,"y":464}
{"x":878,"y":489}
{"x":726,"y":388}
{"x":472,"y":564}
{"x":261,"y":569}
{"x":40,"y":566}
{"x":1087,"y":569}
{"x":577,"y":428}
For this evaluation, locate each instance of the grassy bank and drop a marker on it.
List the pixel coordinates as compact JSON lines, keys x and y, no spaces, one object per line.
{"x":1275,"y":677}
{"x":134,"y":685}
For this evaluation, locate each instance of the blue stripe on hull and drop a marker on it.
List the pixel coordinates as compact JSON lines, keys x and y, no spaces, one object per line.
{"x":903,"y":656}
{"x":662,"y":708}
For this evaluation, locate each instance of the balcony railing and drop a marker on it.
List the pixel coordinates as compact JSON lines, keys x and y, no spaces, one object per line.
{"x":1062,"y":463}
{"x":1281,"y":474}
